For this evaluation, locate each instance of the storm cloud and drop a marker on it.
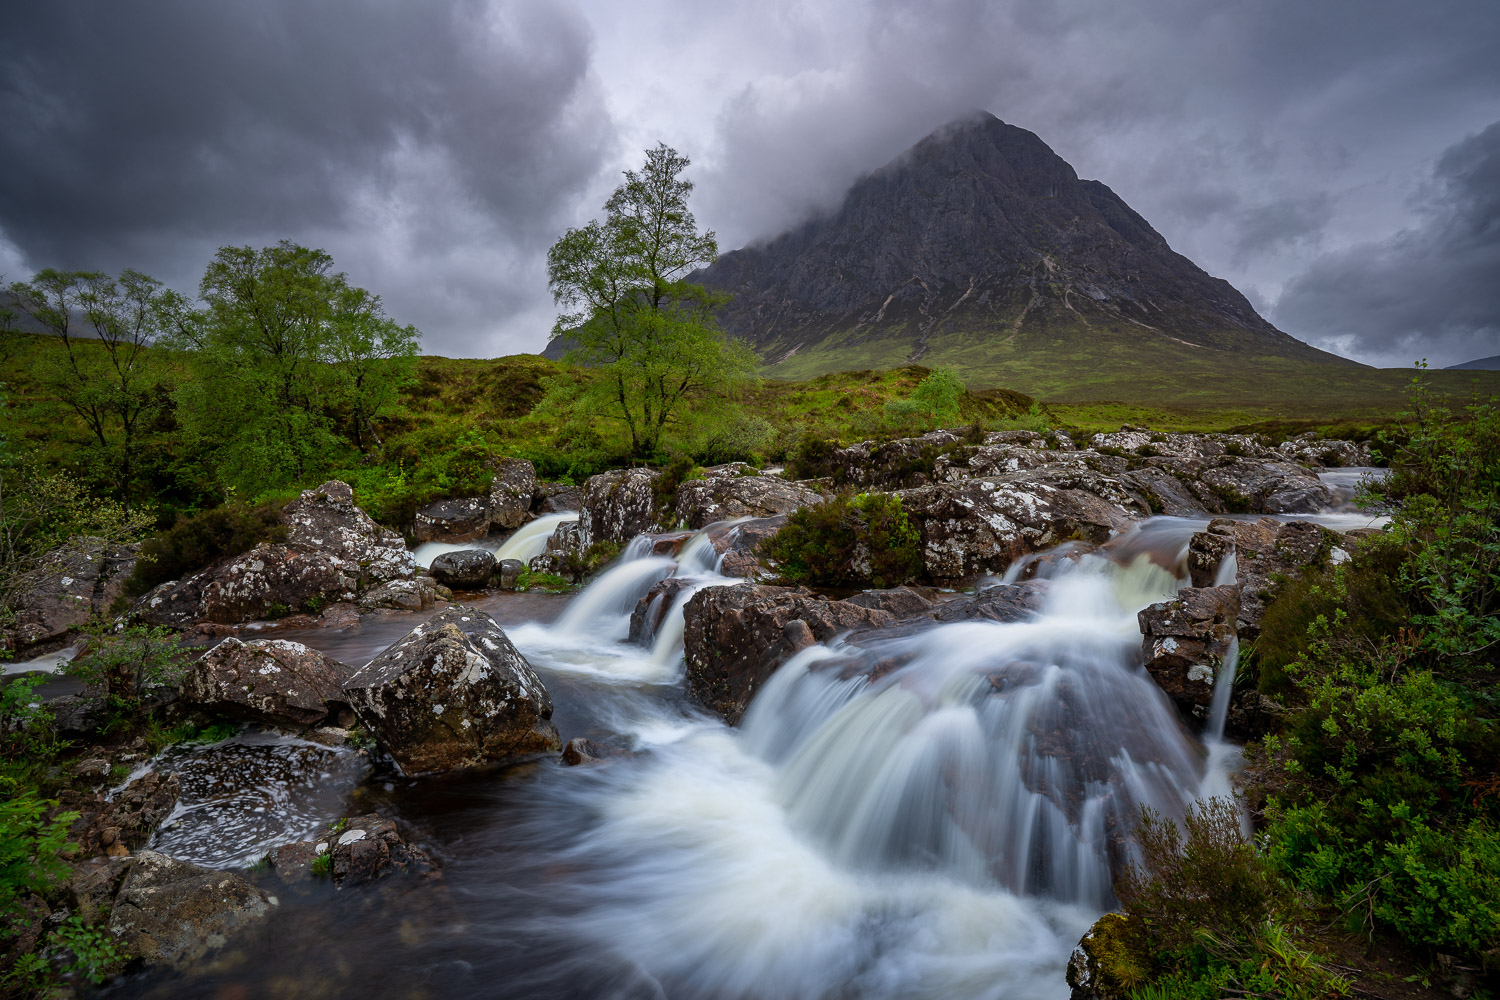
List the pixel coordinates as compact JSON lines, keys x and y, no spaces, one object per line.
{"x":1298,"y":150}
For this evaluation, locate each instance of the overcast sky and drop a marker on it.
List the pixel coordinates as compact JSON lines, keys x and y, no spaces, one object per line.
{"x":1337,"y":160}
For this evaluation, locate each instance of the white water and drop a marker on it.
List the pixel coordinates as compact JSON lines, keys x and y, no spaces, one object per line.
{"x":525,"y":543}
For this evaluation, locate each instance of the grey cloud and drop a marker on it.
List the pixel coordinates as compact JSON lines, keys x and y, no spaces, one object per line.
{"x":433,"y":149}
{"x":1432,"y":290}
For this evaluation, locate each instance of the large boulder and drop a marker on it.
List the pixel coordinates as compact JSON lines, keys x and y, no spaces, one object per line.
{"x":332,"y":550}
{"x":735,"y":638}
{"x":512,"y":491}
{"x":617,"y":506}
{"x":901,"y":602}
{"x":1263,"y":551}
{"x":1102,"y":966}
{"x":169,"y":912}
{"x":273,"y":681}
{"x":1263,"y":487}
{"x":73,"y":583}
{"x":453,"y":693}
{"x":980,"y":526}
{"x":1187,"y":640}
{"x":651,"y":610}
{"x":557,"y":498}
{"x":463,"y":520}
{"x":416,"y":594}
{"x":701,"y":502}
{"x":466,"y":569}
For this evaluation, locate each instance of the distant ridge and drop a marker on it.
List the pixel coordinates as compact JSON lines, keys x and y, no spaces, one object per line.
{"x":981,"y":247}
{"x":1490,"y":364}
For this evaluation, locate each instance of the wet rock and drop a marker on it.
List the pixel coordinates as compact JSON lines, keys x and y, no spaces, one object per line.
{"x":359,"y":849}
{"x":617,"y":506}
{"x":511,"y":493}
{"x":1252,"y":715}
{"x":73,"y":583}
{"x":980,"y":526}
{"x":1095,"y":968}
{"x":509,"y":573}
{"x":93,"y":885}
{"x":1265,"y":487}
{"x":116,"y":827}
{"x":332,"y":549}
{"x":1264,"y":551}
{"x":583,"y":751}
{"x":416,"y":594}
{"x":652,"y":608}
{"x":169,"y":912}
{"x":462,"y":520}
{"x":1163,"y":491}
{"x":466,"y":569}
{"x":739,"y":544}
{"x":1309,"y":449}
{"x":273,"y":681}
{"x":453,"y":693}
{"x":557,"y":498}
{"x":737,"y":636}
{"x":701,"y":502}
{"x":1000,"y":603}
{"x":901,"y":602}
{"x":293,"y":862}
{"x":1186,"y":641}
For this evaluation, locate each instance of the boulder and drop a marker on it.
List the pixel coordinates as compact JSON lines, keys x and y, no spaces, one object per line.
{"x":1101,"y":966}
{"x":701,"y":502}
{"x":981,"y":525}
{"x":93,"y":886}
{"x":1309,"y":449}
{"x":1186,"y":641}
{"x":557,"y":498}
{"x":115,"y":827}
{"x":901,"y":602}
{"x":512,"y":491}
{"x":416,"y":594}
{"x":464,"y":520}
{"x":617,"y":506}
{"x":736,"y":637}
{"x":509,"y":572}
{"x":652,"y":608}
{"x":466,"y":569}
{"x":453,"y":693}
{"x":169,"y":912}
{"x":332,"y":550}
{"x":361,"y":849}
{"x":272,"y":681}
{"x":738,"y":544}
{"x":1163,"y":491}
{"x":1263,"y":487}
{"x":1263,"y":551}
{"x":983,"y":461}
{"x":73,"y":583}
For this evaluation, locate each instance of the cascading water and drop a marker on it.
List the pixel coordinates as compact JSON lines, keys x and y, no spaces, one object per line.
{"x":525,"y":544}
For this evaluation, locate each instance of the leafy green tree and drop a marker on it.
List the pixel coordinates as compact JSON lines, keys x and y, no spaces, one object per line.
{"x":934,"y":402}
{"x":649,"y":336}
{"x":281,"y":347}
{"x":102,"y":367}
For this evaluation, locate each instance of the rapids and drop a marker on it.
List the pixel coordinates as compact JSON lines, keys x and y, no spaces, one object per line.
{"x":915,"y":812}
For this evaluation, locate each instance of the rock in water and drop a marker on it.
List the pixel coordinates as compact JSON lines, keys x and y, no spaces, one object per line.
{"x":1187,"y":640}
{"x":462,"y":520}
{"x":267,"y":680}
{"x":453,"y":693}
{"x":466,"y":569}
{"x":172,"y":913}
{"x":511,"y":493}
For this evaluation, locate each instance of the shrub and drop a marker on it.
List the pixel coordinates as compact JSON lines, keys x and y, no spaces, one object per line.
{"x":679,"y":470}
{"x":198,"y":540}
{"x":812,"y":458}
{"x":864,"y":540}
{"x":125,"y":665}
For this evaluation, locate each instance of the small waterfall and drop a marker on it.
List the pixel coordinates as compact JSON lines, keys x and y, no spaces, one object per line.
{"x":530,"y":539}
{"x":605,"y":605}
{"x":1218,"y":710}
{"x":1228,"y":571}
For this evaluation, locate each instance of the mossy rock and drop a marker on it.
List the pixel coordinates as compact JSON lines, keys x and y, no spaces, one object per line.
{"x":1104,"y":966}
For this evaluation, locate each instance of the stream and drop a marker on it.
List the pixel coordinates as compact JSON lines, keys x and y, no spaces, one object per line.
{"x":917,"y":813}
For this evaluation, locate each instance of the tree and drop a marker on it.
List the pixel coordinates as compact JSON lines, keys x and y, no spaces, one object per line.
{"x":649,"y":336}
{"x":102,"y":368}
{"x":283,"y":345}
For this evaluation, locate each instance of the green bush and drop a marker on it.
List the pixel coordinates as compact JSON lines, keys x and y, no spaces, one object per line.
{"x":812,"y":458}
{"x":125,"y":665}
{"x":198,"y":540}
{"x":864,"y":540}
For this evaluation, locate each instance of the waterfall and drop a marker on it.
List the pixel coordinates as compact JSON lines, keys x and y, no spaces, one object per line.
{"x":526,"y":543}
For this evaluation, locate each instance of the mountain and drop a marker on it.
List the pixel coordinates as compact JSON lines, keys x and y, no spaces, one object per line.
{"x":1491,"y":364}
{"x":980,"y":247}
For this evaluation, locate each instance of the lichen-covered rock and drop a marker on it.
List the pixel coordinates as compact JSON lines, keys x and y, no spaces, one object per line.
{"x":1163,"y":490}
{"x":453,"y":693}
{"x":902,"y":602}
{"x":701,"y":502}
{"x":463,"y":520}
{"x":735,"y":638}
{"x":508,"y":572}
{"x":332,"y":550}
{"x":1263,"y":550}
{"x":273,"y":681}
{"x":1263,"y":487}
{"x":1309,"y":449}
{"x":1102,"y":966}
{"x":466,"y":569}
{"x":739,"y":544}
{"x":72,"y":583}
{"x":1187,"y":640}
{"x":981,"y":525}
{"x":619,"y":505}
{"x":557,"y":498}
{"x":512,"y":491}
{"x":169,"y":912}
{"x":416,"y":594}
{"x":361,"y":849}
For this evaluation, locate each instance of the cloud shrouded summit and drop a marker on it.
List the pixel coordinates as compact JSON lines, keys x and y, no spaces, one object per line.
{"x":436,"y":150}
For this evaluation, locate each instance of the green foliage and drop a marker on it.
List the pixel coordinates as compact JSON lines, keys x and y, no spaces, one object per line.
{"x":284,"y":351}
{"x":649,"y":336}
{"x":863,"y":540}
{"x":679,"y":470}
{"x":31,"y":847}
{"x":1204,"y":917}
{"x":213,"y":732}
{"x":934,"y":403}
{"x":322,"y":864}
{"x":532,"y":580}
{"x":124,"y":665}
{"x":95,"y":954}
{"x":197,"y":540}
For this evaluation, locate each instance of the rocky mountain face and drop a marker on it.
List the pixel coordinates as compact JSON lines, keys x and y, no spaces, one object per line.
{"x":980,"y":234}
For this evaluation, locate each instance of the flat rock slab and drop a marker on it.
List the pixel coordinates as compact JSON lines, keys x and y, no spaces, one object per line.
{"x":173,"y":913}
{"x":274,"y":681}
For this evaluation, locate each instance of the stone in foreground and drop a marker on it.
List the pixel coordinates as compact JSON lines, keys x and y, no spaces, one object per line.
{"x":173,"y":913}
{"x":274,"y":681}
{"x":466,"y":569}
{"x":453,"y":693}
